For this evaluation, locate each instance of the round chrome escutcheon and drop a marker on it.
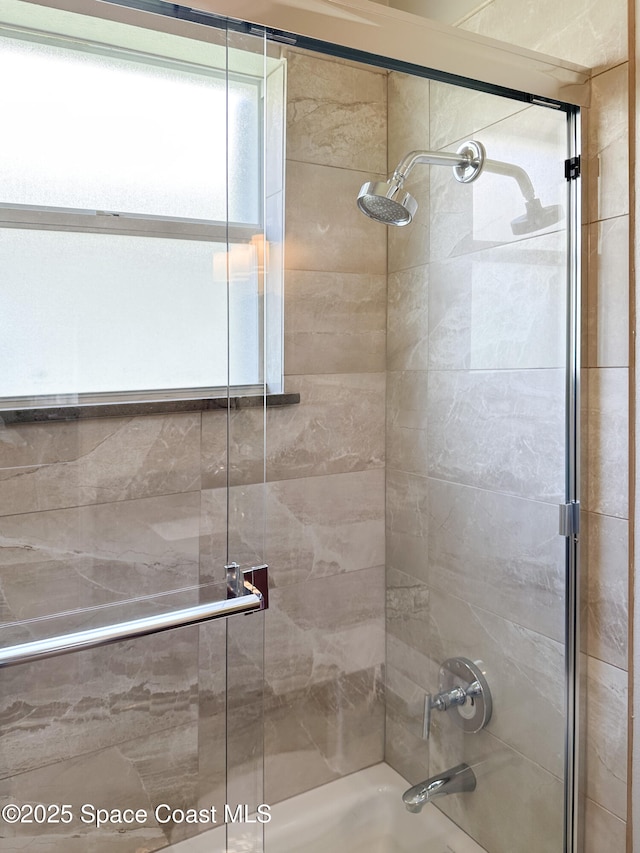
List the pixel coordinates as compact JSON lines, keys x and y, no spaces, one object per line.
{"x":475,"y":154}
{"x":474,"y":714}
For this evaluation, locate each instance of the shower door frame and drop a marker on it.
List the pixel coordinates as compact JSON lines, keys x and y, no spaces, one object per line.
{"x":570,"y":514}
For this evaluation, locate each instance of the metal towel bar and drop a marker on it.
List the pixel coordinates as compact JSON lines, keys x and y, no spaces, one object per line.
{"x":252,"y":597}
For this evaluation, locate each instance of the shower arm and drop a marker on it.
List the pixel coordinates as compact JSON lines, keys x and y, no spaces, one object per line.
{"x":445,"y":158}
{"x":428,"y":158}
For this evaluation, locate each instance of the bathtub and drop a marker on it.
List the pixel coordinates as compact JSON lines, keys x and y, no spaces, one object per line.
{"x":360,"y":813}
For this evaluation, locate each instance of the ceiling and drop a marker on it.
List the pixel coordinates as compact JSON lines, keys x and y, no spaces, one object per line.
{"x":445,"y":11}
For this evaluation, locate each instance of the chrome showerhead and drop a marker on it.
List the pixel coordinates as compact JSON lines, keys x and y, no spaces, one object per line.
{"x":386,"y":202}
{"x":536,"y":218}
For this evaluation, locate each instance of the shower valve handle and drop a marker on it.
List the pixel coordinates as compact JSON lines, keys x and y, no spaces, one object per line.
{"x":443,"y":701}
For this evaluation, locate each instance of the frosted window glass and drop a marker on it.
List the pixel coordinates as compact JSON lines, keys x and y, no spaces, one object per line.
{"x":95,"y":132}
{"x":85,"y":313}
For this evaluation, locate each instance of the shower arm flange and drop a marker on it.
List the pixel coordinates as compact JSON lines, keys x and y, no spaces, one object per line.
{"x":467,"y":162}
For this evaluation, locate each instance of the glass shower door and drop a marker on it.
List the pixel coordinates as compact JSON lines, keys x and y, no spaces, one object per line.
{"x":489,"y":264}
{"x":129,"y":721}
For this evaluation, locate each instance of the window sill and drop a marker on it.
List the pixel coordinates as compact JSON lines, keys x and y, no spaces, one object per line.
{"x":46,"y":414}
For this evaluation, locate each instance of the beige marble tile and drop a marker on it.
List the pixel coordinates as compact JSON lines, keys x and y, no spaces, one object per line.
{"x":50,"y":466}
{"x":530,"y":800}
{"x":245,"y":667}
{"x":409,"y":244}
{"x":56,"y":710}
{"x":408,"y":623}
{"x":232,"y":447}
{"x":500,"y":553}
{"x":336,"y":114}
{"x":606,"y":737}
{"x":500,"y":308}
{"x":99,"y":842}
{"x":140,"y":774}
{"x":603,"y":830}
{"x":458,"y":113}
{"x":607,"y":454}
{"x":607,"y":333}
{"x":415,"y":664}
{"x":245,"y":695}
{"x":407,"y":421}
{"x":338,"y":426}
{"x":451,"y":224}
{"x":61,"y":560}
{"x":325,"y":731}
{"x":321,"y":526}
{"x":501,"y":430}
{"x":407,"y":523}
{"x":606,"y":559}
{"x":525,"y":672}
{"x":589,"y":33}
{"x":325,"y":229}
{"x":407,"y":319}
{"x":325,"y":628}
{"x":405,"y":749}
{"x":212,"y":712}
{"x":334,"y":322}
{"x":607,"y":143}
{"x":405,"y":699}
{"x":245,"y":754}
{"x":167,"y":766}
{"x":309,"y":528}
{"x":408,"y":98}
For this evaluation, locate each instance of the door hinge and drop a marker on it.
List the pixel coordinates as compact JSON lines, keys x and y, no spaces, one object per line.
{"x":569,"y":519}
{"x":572,"y":168}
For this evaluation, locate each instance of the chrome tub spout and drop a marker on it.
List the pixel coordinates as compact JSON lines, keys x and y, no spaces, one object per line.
{"x":457,"y":780}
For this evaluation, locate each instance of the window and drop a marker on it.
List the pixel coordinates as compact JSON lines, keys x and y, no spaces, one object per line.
{"x":131,"y":213}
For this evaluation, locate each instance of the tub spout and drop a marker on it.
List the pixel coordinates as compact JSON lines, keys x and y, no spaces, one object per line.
{"x":457,"y":780}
